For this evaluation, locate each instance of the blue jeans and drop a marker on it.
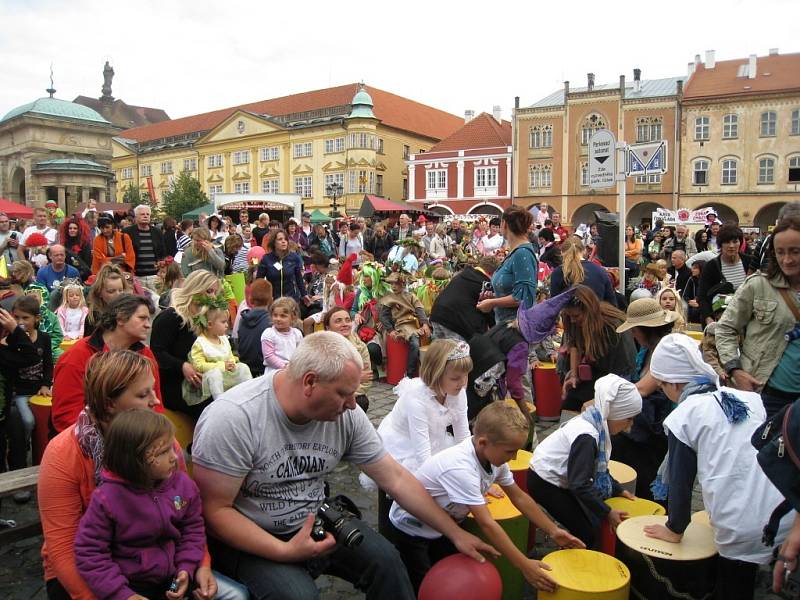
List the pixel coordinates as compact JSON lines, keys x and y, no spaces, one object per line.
{"x":228,"y":589}
{"x":373,"y":567}
{"x":25,"y":414}
{"x":413,"y":356}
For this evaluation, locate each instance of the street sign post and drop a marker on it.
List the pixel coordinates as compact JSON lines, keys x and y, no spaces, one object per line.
{"x":602,"y":160}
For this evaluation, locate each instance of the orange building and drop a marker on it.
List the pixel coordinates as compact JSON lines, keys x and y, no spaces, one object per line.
{"x":551,"y":146}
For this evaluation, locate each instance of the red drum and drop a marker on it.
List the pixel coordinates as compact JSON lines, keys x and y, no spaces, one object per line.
{"x":396,"y":360}
{"x":548,"y":392}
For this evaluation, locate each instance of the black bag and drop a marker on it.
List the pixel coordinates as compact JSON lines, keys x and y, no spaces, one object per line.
{"x":778,"y":443}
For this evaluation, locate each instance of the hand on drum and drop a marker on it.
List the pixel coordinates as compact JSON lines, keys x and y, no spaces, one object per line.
{"x":495,"y":492}
{"x":566,"y":540}
{"x":534,"y":573}
{"x":661,"y":532}
{"x":628,"y":495}
{"x":615,"y":517}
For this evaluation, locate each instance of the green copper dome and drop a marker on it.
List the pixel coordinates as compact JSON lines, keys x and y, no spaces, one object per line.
{"x":362,"y":104}
{"x":59,"y":109}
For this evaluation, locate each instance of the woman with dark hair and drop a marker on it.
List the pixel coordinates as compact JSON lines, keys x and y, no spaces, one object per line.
{"x":321,"y":240}
{"x":645,"y":445}
{"x":494,"y":240}
{"x":724,"y":274}
{"x":514,"y":282}
{"x":124,"y":325}
{"x":216,"y":229}
{"x":689,"y":293}
{"x":296,"y":234}
{"x":593,"y":346}
{"x":758,"y":339}
{"x":701,"y":240}
{"x":338,"y":320}
{"x":111,"y":246}
{"x":74,"y":236}
{"x":549,"y":252}
{"x":169,"y":229}
{"x":283,"y":269}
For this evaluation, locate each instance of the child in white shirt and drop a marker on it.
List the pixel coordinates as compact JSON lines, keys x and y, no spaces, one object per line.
{"x":73,"y":310}
{"x":458,"y":479}
{"x":278,"y":342}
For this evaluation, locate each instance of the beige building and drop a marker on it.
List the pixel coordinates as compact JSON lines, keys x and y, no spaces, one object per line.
{"x":740,"y":134}
{"x":51,"y":149}
{"x":551,"y":146}
{"x":349,"y":135}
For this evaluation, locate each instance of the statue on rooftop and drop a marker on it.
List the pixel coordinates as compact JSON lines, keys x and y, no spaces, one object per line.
{"x":108,"y":75}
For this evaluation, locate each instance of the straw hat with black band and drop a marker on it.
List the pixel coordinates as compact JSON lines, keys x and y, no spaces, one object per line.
{"x":646,"y":312}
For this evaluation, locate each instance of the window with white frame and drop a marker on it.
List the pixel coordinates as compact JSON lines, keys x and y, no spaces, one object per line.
{"x":270,"y":153}
{"x":651,"y":179}
{"x":591,"y":124}
{"x":379,"y":184}
{"x":213,"y":190}
{"x":486,"y":177}
{"x":334,"y":178}
{"x":437,"y":179}
{"x":362,"y":140}
{"x":535,"y":137}
{"x":371,"y":184}
{"x":127,"y":173}
{"x":794,"y":169}
{"x":302,"y":186}
{"x":534,"y":179}
{"x":241,"y":157}
{"x":540,"y":176}
{"x":769,"y":123}
{"x":241,"y":187}
{"x":334,"y":145}
{"x":547,"y":136}
{"x":352,"y":182}
{"x":214,"y":160}
{"x":269,"y":186}
{"x":584,"y":174}
{"x":648,"y":129}
{"x":406,"y":151}
{"x":729,"y":171}
{"x":795,"y":130}
{"x":302,"y":150}
{"x":362,"y":182}
{"x":190,"y":164}
{"x":766,"y":170}
{"x":380,"y":145}
{"x":702,"y":128}
{"x":700,"y":172}
{"x":166,"y":167}
{"x":730,"y":127}
{"x":146,"y":170}
{"x":547,"y":176}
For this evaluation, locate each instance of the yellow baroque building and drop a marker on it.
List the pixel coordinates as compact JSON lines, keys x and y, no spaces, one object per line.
{"x":295,"y":144}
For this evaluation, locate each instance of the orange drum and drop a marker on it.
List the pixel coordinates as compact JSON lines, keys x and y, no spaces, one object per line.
{"x":40,"y":407}
{"x":548,"y":392}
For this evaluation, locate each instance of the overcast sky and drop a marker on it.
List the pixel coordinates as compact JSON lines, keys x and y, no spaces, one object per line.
{"x":191,"y":57}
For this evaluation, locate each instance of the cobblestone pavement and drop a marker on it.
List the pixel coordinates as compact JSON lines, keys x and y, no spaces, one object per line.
{"x":20,"y":563}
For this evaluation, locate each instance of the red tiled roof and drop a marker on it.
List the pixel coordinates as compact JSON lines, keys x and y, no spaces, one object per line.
{"x":481,"y":132}
{"x":394,"y":111}
{"x":774,"y":73}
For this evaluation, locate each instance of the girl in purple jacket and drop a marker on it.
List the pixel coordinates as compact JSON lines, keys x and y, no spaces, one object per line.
{"x":143,"y":534}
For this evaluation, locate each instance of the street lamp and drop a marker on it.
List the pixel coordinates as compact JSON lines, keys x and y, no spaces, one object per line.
{"x":334,"y":191}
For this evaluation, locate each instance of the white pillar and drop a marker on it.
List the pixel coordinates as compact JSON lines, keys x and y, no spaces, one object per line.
{"x":412,"y":170}
{"x":508,"y":177}
{"x":460,"y":171}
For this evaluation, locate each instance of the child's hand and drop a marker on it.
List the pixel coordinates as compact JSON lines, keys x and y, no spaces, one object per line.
{"x":44,"y":391}
{"x":394,"y":335}
{"x":615,"y":517}
{"x":533,"y":363}
{"x":534,"y":572}
{"x":230,"y":365}
{"x":566,"y":540}
{"x":182,"y":581}
{"x":495,"y":492}
{"x":628,"y":495}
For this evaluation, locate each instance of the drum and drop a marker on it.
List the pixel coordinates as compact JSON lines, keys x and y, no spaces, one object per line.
{"x":396,"y":360}
{"x":519,"y":466}
{"x":67,"y":344}
{"x":695,"y":335}
{"x":701,"y":516}
{"x":547,"y":389}
{"x":515,"y":525}
{"x":664,"y":570}
{"x":40,"y":407}
{"x":637,"y":507}
{"x":184,"y":427}
{"x":623,"y":474}
{"x":586,"y":575}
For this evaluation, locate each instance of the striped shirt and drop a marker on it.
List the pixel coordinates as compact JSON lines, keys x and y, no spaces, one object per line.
{"x":146,"y":256}
{"x":734,"y":274}
{"x":183,"y":241}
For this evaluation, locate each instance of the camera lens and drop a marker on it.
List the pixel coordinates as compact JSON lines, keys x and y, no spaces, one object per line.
{"x":350,"y":535}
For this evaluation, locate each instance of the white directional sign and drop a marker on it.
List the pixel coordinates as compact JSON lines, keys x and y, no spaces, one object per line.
{"x":647,"y":159}
{"x":602,"y":159}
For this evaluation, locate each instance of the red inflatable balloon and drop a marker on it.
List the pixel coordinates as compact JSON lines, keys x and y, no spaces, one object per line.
{"x":254,"y":254}
{"x":461,"y":577}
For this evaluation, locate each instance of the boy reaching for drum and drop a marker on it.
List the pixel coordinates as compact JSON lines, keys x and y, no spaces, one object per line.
{"x":458,"y":479}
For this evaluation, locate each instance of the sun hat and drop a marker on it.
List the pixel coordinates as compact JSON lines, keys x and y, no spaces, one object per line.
{"x":646,"y":312}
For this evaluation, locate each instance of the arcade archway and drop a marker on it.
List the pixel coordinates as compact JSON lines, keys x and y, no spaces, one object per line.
{"x":767,"y":215}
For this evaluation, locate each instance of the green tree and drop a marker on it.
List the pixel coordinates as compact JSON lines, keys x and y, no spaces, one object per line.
{"x":133,"y":196}
{"x":184,"y":194}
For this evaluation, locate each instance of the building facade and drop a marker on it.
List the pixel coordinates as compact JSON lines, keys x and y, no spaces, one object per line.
{"x":551,"y":146}
{"x":740,"y":133}
{"x":300,"y":144}
{"x":51,"y":149}
{"x":468,"y":172}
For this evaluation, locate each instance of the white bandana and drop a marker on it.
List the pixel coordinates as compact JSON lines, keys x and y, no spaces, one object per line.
{"x":677,"y":359}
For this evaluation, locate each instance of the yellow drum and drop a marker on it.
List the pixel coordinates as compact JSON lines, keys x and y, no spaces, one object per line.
{"x":701,"y":516}
{"x":635,"y":508}
{"x":516,"y":526}
{"x":695,"y":335}
{"x":623,"y":474}
{"x":184,"y":426}
{"x":519,"y":466}
{"x":586,"y":575}
{"x":665,"y":570}
{"x":67,"y":344}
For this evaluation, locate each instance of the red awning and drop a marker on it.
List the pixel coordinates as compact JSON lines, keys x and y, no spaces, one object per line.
{"x":373,"y":204}
{"x":15,"y":210}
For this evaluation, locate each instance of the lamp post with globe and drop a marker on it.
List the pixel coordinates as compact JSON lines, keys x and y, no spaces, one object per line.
{"x":334,"y":191}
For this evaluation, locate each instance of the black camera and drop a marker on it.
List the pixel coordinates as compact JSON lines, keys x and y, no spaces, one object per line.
{"x":337,"y":517}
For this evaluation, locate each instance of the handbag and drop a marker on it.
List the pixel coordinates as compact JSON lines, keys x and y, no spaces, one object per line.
{"x":366,"y":333}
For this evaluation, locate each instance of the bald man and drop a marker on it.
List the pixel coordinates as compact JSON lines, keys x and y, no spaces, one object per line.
{"x":58,"y":268}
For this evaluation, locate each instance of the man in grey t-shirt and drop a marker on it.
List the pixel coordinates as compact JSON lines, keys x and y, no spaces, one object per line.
{"x":260,"y":456}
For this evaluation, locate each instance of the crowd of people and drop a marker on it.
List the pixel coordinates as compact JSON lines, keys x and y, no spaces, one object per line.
{"x":123,"y":323}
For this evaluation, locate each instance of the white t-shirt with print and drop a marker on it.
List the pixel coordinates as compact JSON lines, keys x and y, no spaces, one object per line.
{"x":456,"y":480}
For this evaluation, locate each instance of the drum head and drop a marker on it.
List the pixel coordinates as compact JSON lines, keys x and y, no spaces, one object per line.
{"x":697,"y":542}
{"x":637,"y":507}
{"x":522,"y":461}
{"x":701,"y":516}
{"x":501,"y":509}
{"x":587,"y":571}
{"x":621,"y":472}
